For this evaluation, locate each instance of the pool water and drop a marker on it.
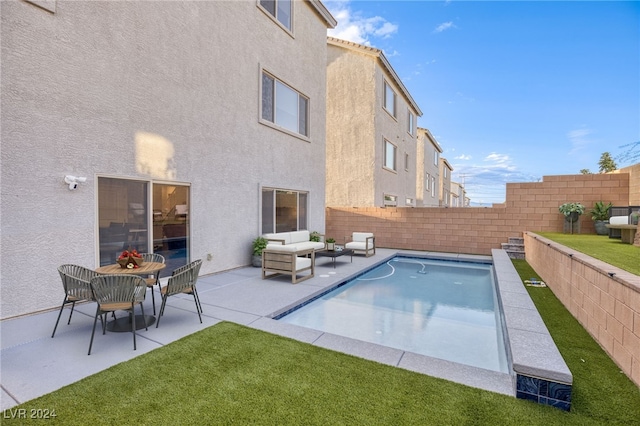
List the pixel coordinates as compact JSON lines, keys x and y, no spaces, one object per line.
{"x":439,"y":308}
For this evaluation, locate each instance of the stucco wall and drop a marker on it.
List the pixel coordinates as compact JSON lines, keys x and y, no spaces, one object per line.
{"x":351,"y":106}
{"x":604,"y":299}
{"x":357,"y":126}
{"x":82,"y":87}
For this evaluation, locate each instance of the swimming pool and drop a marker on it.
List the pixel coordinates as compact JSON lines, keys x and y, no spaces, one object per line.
{"x":439,"y":308}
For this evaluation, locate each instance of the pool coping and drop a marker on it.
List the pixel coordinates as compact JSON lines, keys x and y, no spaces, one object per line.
{"x":537,"y":370}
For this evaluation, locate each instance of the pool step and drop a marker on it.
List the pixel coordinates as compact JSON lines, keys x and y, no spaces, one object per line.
{"x":514,"y":248}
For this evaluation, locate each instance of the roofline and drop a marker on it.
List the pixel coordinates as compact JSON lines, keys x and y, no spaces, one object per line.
{"x":447,"y":163}
{"x":386,"y":64}
{"x":329,"y":20}
{"x":431,"y":138}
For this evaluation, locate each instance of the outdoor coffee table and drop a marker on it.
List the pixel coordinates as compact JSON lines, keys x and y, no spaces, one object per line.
{"x":333,"y":254}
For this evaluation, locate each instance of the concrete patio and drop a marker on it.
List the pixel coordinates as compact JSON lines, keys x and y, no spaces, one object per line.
{"x":34,"y":364}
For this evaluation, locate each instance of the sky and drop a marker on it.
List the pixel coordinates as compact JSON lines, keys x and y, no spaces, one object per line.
{"x":511,"y":90}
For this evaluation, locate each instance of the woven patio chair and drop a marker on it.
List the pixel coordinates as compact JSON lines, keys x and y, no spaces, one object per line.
{"x":152,"y":280}
{"x":195,"y":270}
{"x":75,"y":280}
{"x":118,"y":292}
{"x":182,"y":282}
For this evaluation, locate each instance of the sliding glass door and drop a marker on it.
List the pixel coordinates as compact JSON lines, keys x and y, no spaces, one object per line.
{"x":131,"y":216}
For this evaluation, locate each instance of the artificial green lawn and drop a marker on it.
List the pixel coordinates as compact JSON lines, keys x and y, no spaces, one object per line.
{"x":233,"y":374}
{"x":610,"y":250}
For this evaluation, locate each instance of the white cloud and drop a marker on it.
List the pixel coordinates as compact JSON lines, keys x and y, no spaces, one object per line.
{"x":500,"y":159}
{"x":579,"y":139}
{"x":462,"y":157}
{"x":356,"y":28}
{"x":444,"y":26}
{"x":486,"y":182}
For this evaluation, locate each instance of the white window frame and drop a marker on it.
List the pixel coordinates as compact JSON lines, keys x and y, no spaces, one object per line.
{"x":394,"y":159}
{"x":411,"y":123}
{"x":409,"y":202}
{"x":406,"y":161}
{"x":435,"y":158}
{"x":389,"y":200}
{"x":427,"y":182}
{"x":275,"y":14}
{"x":272,"y":117}
{"x":302,"y":208}
{"x":389,"y":105}
{"x":433,"y":187}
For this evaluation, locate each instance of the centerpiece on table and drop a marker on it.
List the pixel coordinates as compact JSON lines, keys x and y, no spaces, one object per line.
{"x":130,"y":259}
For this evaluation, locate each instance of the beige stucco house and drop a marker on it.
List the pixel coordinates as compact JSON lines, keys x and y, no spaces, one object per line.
{"x":445,"y":182}
{"x":428,"y":169}
{"x":136,"y":123}
{"x":371,"y":129}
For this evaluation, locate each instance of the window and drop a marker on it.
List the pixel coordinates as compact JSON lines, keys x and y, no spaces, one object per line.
{"x":279,"y":9}
{"x":389,"y":99}
{"x":408,"y":201}
{"x":284,"y":106}
{"x":427,"y":182}
{"x":390,"y":200}
{"x":435,"y":158}
{"x":411,"y":123}
{"x":129,"y":218}
{"x":283,"y":211}
{"x":389,"y":155}
{"x":445,"y":172}
{"x":433,"y":186}
{"x":406,"y":161}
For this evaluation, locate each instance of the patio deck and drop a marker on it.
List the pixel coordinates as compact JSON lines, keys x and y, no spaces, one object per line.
{"x":33,"y":364}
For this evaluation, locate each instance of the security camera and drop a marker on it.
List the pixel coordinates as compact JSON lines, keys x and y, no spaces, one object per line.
{"x":73,"y":181}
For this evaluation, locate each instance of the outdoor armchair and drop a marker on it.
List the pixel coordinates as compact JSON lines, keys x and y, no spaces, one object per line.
{"x":152,"y":280}
{"x":362,"y":242}
{"x":195,"y":271}
{"x":182,"y":282}
{"x":118,"y":292}
{"x":75,"y":280}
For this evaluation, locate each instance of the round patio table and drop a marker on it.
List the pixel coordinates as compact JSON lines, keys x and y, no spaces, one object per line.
{"x":142,"y":321}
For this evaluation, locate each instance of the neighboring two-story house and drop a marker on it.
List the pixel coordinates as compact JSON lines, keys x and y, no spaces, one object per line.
{"x":428,"y":169}
{"x":445,"y":182}
{"x":176,"y":116}
{"x":371,"y":130}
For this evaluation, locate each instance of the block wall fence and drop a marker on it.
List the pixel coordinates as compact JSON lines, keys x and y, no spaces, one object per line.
{"x":603,"y":298}
{"x":476,"y":230}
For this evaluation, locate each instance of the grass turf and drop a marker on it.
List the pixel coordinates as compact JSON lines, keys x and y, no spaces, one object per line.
{"x":233,"y":374}
{"x":609,"y":250}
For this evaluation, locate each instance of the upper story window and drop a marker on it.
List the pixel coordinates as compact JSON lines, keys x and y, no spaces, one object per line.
{"x":435,"y":158}
{"x":433,"y":186}
{"x":411,"y":123}
{"x":280,"y":10}
{"x":284,"y":106}
{"x":427,"y":182}
{"x":390,"y":200}
{"x":406,"y":161}
{"x":445,"y":172}
{"x":389,"y":155}
{"x":389,"y":99}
